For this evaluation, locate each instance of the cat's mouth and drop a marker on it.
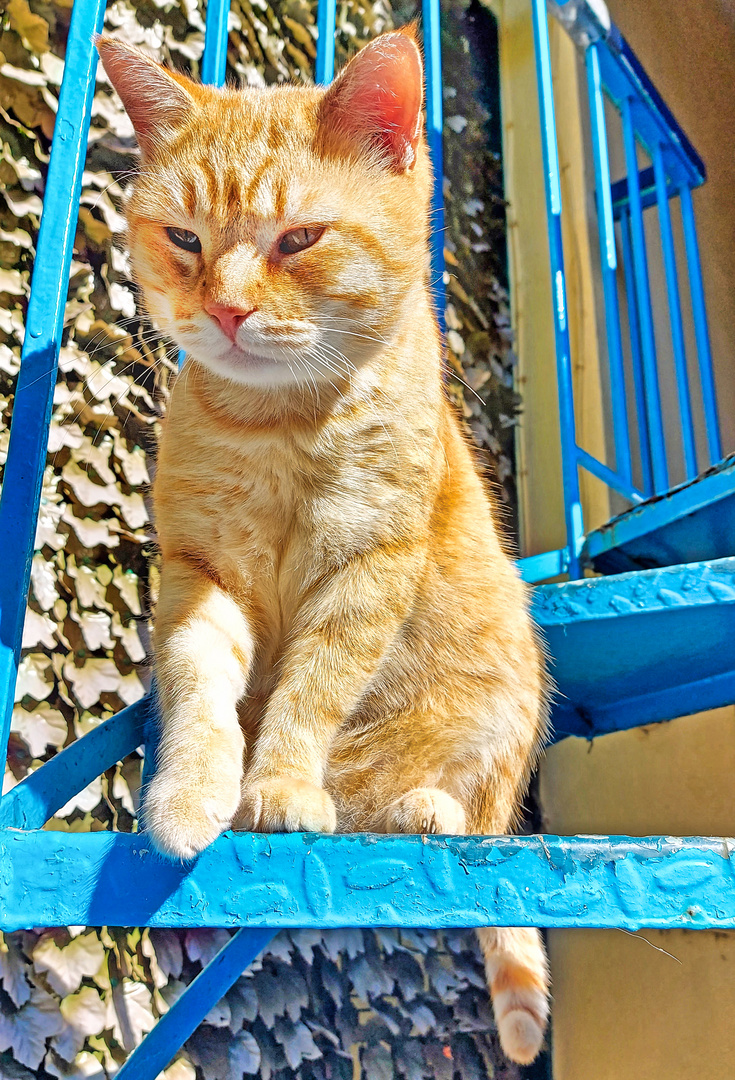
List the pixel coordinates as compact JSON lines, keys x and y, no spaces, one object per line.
{"x":263,"y":367}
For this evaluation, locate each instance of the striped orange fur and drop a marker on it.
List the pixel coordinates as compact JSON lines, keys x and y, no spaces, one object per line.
{"x":341,"y":640}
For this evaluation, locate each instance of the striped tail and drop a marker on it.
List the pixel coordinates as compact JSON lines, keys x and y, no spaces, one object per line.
{"x":518,"y":976}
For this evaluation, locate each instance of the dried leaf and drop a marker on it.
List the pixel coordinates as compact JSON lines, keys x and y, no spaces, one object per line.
{"x":33,"y":678}
{"x":32,"y":28}
{"x":244,"y":1056}
{"x":27,"y":1030}
{"x":85,"y":1066}
{"x":130,"y":1013}
{"x":84,"y":1013}
{"x":40,"y":729}
{"x":13,"y":967}
{"x":66,"y":966}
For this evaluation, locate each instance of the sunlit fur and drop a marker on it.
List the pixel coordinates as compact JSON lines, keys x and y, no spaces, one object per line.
{"x":341,"y":641}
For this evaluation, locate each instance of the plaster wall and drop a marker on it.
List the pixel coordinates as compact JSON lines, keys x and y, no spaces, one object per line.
{"x":625,"y":1008}
{"x":659,"y":1005}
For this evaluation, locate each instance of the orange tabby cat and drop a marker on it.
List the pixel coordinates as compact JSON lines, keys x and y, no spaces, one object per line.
{"x":341,"y":642}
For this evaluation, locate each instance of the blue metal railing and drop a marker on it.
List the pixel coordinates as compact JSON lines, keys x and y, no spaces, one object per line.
{"x":614,"y":74}
{"x":613,"y":71}
{"x":21,"y":492}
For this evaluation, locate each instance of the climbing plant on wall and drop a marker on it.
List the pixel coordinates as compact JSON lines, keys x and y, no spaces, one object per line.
{"x":74,"y":1002}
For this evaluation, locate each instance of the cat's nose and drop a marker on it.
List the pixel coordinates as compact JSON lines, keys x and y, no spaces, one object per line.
{"x":229,"y":318}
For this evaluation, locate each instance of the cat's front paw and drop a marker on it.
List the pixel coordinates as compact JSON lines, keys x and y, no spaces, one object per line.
{"x":286,"y":804}
{"x":426,"y":810}
{"x":184,"y":814}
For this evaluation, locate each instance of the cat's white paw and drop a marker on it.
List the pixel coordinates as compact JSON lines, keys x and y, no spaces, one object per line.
{"x":285,"y":804}
{"x":184,"y":814}
{"x":426,"y":810}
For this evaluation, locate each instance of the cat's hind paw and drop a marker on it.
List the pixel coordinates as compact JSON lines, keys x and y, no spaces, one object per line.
{"x":426,"y":810}
{"x":286,"y":804}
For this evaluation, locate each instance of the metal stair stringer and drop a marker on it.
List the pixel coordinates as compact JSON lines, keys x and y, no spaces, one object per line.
{"x":692,"y":522}
{"x":641,"y":647}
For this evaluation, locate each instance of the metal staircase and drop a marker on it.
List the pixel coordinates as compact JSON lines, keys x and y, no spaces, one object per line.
{"x":631,"y":648}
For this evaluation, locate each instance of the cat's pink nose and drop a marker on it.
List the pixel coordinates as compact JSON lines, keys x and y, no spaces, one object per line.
{"x":229,"y":318}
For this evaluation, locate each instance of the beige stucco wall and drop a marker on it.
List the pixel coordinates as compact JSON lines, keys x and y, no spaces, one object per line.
{"x":623,"y":1009}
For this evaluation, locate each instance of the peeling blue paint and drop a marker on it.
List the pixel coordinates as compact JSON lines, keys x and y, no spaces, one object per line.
{"x":59,"y":879}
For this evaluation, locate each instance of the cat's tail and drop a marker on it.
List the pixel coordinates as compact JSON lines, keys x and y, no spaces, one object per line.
{"x":518,"y":976}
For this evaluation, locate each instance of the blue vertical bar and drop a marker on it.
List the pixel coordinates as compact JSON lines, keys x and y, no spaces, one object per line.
{"x":326,"y":23}
{"x":214,"y":60}
{"x":21,"y":493}
{"x":635,"y":351}
{"x":645,"y":313}
{"x":677,"y":326}
{"x":608,"y":255}
{"x":701,"y":330}
{"x":433,"y":57}
{"x":570,"y":478}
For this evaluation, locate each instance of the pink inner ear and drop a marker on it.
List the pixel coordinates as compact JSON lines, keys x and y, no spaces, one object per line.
{"x":380,"y":94}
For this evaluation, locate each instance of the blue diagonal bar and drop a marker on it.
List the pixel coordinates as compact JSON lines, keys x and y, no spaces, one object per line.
{"x":44,"y":323}
{"x":42,"y":793}
{"x":645,"y":311}
{"x":185,"y":1015}
{"x":677,"y":326}
{"x":701,"y":329}
{"x":608,"y":255}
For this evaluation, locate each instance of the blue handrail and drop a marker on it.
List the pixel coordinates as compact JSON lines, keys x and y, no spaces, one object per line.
{"x":614,"y":73}
{"x":701,"y":328}
{"x":677,"y":325}
{"x":21,"y":493}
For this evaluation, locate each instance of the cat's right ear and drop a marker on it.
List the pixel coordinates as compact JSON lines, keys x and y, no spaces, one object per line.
{"x":157,"y":101}
{"x":376,"y":101}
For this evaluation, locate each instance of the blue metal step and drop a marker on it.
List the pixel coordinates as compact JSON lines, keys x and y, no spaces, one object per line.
{"x":691,"y":523}
{"x":640,"y":647}
{"x":320,"y":881}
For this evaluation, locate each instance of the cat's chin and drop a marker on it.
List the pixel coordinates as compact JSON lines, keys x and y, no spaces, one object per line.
{"x":248,"y":369}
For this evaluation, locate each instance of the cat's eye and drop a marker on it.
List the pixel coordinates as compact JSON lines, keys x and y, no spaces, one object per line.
{"x":299,"y":239}
{"x":185,"y":239}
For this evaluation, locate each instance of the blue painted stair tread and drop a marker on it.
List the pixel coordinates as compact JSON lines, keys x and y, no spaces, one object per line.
{"x":691,"y":523}
{"x":641,"y":647}
{"x":308,"y":880}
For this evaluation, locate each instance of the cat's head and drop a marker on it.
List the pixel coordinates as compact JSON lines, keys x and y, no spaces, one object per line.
{"x":279,"y":235}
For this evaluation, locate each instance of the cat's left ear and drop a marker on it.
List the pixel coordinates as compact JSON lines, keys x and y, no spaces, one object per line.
{"x":376,"y":101}
{"x":156,"y":100}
